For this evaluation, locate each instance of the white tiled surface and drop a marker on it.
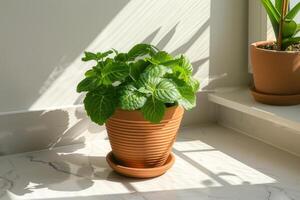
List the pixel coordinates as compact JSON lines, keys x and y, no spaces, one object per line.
{"x":212,"y":163}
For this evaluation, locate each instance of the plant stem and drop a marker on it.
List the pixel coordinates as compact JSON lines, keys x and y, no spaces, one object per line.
{"x":284,"y":9}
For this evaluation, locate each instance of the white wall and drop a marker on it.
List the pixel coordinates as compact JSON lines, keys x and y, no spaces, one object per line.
{"x":42,"y":42}
{"x":40,"y":39}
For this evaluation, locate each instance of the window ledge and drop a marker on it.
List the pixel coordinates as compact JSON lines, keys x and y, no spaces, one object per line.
{"x":241,"y":100}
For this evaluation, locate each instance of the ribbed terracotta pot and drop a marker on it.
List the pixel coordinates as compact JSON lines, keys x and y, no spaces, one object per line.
{"x":137,"y":143}
{"x":275,"y":72}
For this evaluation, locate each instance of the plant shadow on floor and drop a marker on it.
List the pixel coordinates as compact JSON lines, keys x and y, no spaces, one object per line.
{"x":44,"y":130}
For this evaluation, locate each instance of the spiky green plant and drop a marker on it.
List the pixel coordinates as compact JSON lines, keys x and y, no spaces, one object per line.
{"x":282,"y":19}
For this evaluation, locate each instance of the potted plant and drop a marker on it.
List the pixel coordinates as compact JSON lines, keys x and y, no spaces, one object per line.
{"x":140,"y":96}
{"x":276,"y":64}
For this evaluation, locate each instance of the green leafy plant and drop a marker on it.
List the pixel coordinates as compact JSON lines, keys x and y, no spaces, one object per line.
{"x":282,"y":19}
{"x":145,"y":79}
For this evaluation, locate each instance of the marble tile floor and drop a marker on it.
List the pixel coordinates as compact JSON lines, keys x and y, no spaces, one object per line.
{"x":212,"y":163}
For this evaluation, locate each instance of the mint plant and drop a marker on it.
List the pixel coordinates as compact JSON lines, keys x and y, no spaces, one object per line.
{"x":284,"y":25}
{"x":145,"y":79}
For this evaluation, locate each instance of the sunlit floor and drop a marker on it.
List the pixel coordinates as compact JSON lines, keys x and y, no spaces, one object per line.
{"x":211,"y":163}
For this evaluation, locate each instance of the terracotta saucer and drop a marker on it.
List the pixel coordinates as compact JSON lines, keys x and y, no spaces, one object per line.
{"x":140,"y":172}
{"x":278,"y":100}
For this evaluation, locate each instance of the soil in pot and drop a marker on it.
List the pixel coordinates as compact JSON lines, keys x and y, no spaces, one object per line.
{"x":273,"y":46}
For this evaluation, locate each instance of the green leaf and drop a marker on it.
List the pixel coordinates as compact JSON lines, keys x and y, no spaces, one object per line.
{"x":90,"y":73}
{"x":114,"y":71}
{"x":89,"y":56}
{"x":289,"y":29}
{"x":144,"y":90}
{"x":141,"y":50}
{"x":88,"y":84}
{"x":181,"y":73}
{"x":157,"y":70}
{"x":121,"y":57}
{"x":162,"y":56}
{"x":104,"y":54}
{"x":100,"y":104}
{"x":98,"y":68}
{"x":95,"y":56}
{"x":270,"y":8}
{"x":137,"y":68}
{"x":194,"y":83}
{"x":106,"y":61}
{"x":186,"y":64}
{"x":149,"y":83}
{"x":153,"y":110}
{"x":172,"y":63}
{"x":273,"y":14}
{"x":188,"y":97}
{"x":159,"y":58}
{"x":166,"y":91}
{"x":293,"y":12}
{"x":289,"y":41}
{"x":131,"y":98}
{"x":183,"y":69}
{"x":278,"y":4}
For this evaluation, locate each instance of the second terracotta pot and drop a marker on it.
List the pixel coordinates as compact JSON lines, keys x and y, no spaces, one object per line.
{"x":138,"y":143}
{"x":275,"y":72}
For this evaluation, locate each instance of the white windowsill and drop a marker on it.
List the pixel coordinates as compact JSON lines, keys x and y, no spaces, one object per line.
{"x":241,"y":100}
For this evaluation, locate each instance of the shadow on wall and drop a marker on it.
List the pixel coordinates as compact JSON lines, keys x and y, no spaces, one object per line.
{"x":47,"y":37}
{"x":62,"y":34}
{"x":36,"y":130}
{"x":58,"y":32}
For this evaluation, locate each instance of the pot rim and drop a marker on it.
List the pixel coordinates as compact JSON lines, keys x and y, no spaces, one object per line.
{"x":167,"y":109}
{"x":256,"y":44}
{"x":137,"y":115}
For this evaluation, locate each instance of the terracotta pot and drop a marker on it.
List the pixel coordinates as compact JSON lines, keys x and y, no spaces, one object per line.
{"x":275,"y":72}
{"x":138,"y":143}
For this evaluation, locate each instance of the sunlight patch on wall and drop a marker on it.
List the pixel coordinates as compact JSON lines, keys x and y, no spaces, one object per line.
{"x":172,"y":25}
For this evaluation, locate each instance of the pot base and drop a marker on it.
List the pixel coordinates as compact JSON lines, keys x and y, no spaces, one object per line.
{"x":278,"y":100}
{"x":139,"y":172}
